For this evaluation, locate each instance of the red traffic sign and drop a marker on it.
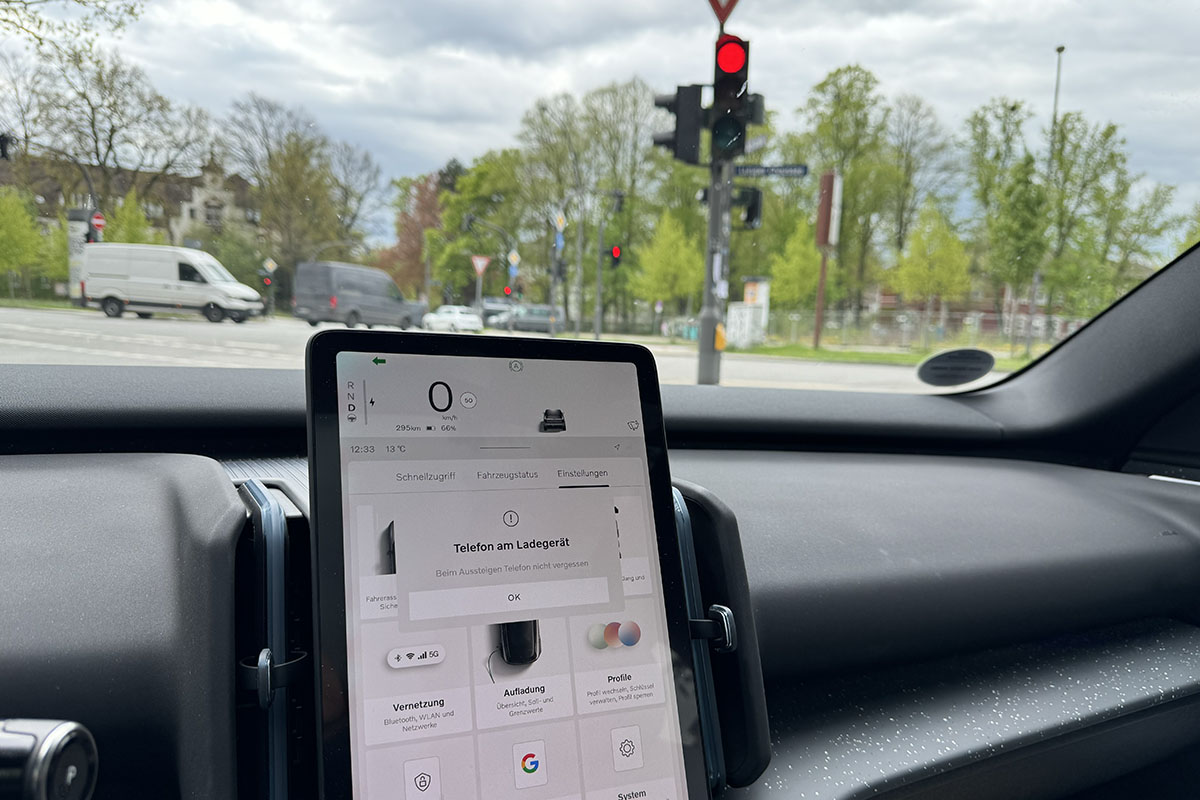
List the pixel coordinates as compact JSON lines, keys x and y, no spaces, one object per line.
{"x":98,"y":221}
{"x":722,"y":8}
{"x":480,"y":263}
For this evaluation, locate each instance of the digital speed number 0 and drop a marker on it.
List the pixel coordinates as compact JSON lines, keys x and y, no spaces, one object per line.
{"x":440,"y":396}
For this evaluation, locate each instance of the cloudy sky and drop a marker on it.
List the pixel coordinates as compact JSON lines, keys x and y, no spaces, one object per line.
{"x":420,"y":82}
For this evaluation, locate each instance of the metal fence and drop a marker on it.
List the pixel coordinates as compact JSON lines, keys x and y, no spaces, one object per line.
{"x":901,"y":329}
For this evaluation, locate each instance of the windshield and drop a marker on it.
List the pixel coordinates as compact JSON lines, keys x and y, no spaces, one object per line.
{"x":213,"y":271}
{"x":869,"y":185}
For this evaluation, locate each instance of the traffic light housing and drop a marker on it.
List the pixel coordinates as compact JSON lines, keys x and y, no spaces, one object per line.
{"x":732,"y":108}
{"x":266,"y":280}
{"x":751,"y":200}
{"x":6,"y":142}
{"x":616,"y":256}
{"x":684,"y":141}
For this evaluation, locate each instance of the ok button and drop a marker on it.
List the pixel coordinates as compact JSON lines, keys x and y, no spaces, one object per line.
{"x":514,"y":597}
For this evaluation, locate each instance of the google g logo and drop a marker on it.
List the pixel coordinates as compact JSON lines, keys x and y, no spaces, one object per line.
{"x":614,"y":634}
{"x":529,"y":763}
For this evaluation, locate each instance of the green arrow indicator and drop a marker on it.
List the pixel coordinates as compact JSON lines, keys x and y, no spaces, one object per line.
{"x":378,"y":360}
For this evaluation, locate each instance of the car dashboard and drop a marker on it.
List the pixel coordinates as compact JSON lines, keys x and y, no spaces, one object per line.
{"x":989,"y":594}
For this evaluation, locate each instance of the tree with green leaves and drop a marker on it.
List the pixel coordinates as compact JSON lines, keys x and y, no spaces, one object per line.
{"x":234,"y":246}
{"x":995,"y":142}
{"x":1018,"y":230}
{"x":933,"y":265}
{"x":1191,"y":234}
{"x":795,"y":271}
{"x":104,"y":112}
{"x":54,"y":260}
{"x":847,"y":124}
{"x":127,"y":223}
{"x":924,"y":162}
{"x":298,"y":210}
{"x":1083,"y":158}
{"x":493,"y":190}
{"x":66,"y":22}
{"x":356,"y":189}
{"x":20,"y":241}
{"x":418,"y":211}
{"x":672,"y":266}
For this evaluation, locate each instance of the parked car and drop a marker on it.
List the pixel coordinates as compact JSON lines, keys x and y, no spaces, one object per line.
{"x":453,"y":319}
{"x":145,"y":278}
{"x":330,"y":291}
{"x":536,"y":318}
{"x":495,"y":307}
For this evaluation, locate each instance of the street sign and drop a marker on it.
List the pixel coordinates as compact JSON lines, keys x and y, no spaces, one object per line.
{"x":480,"y":263}
{"x":559,"y":243}
{"x":759,"y":171}
{"x":829,"y":210}
{"x":98,"y":221}
{"x":722,"y":8}
{"x":269,"y":264}
{"x":512,"y":273}
{"x":514,"y":258}
{"x":756,"y":143}
{"x":560,"y":221}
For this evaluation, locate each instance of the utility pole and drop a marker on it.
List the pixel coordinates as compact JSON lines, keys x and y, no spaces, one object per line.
{"x":715,"y":265}
{"x":1037,"y":275}
{"x":829,"y":223}
{"x":732,"y":110}
{"x":579,"y":268}
{"x":428,"y":278}
{"x":819,"y":316}
{"x":618,"y":198}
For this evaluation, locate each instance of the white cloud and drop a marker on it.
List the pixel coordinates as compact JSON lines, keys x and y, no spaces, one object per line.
{"x":419,"y":83}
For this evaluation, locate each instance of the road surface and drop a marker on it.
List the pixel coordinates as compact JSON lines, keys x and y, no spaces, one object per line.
{"x":43,"y":336}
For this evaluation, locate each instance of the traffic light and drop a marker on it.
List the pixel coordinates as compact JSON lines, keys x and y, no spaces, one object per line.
{"x":266,"y":279}
{"x":731,"y":105}
{"x":508,"y":291}
{"x":750,"y":199}
{"x":684,"y":141}
{"x":616,"y":256}
{"x":6,"y":142}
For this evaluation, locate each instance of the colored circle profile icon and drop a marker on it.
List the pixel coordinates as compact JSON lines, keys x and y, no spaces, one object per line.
{"x":595,"y":636}
{"x":615,"y":634}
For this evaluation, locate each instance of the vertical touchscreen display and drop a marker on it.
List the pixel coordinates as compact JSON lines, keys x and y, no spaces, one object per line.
{"x":506,"y":627}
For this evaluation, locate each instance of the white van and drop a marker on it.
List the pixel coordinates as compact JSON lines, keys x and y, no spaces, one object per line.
{"x":145,"y":278}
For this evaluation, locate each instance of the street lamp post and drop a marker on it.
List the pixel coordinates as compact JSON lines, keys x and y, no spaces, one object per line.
{"x":1037,"y":275}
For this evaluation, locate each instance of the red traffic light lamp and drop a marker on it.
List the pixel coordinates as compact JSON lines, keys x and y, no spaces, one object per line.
{"x":731,"y":54}
{"x":507,"y":291}
{"x":731,"y":108}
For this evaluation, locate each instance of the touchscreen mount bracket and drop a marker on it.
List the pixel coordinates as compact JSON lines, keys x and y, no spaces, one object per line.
{"x":720,"y":629}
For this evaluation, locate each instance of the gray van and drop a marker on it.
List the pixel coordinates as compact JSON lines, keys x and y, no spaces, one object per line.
{"x":330,"y":291}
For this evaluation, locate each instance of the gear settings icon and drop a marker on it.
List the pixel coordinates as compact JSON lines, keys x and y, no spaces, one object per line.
{"x":627,"y":749}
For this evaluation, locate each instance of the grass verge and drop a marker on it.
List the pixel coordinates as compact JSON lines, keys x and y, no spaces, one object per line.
{"x":851,"y":356}
{"x":21,"y":302}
